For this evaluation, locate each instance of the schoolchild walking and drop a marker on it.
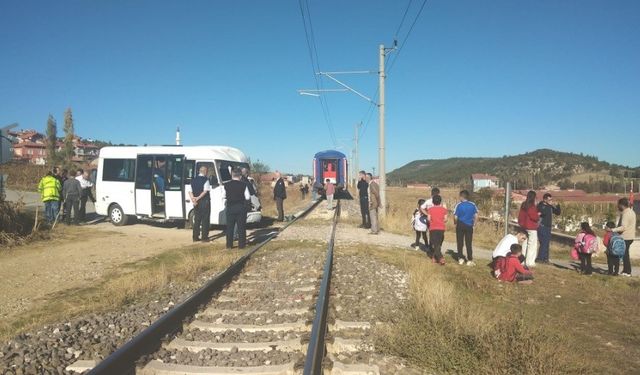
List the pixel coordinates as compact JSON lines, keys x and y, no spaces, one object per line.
{"x":437,"y":217}
{"x":419,"y":224}
{"x":616,"y":248}
{"x":330,"y":190}
{"x":586,"y":244}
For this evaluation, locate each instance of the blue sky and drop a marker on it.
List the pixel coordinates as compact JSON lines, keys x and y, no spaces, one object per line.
{"x":476,"y":78}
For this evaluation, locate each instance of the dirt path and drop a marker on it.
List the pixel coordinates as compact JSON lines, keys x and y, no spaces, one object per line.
{"x":78,"y":257}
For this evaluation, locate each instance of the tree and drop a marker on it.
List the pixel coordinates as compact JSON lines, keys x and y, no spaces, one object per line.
{"x":260,"y":167}
{"x":69,"y":134}
{"x":51,"y":140}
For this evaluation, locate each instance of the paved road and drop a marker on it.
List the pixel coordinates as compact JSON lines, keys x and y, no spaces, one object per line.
{"x":32,"y":200}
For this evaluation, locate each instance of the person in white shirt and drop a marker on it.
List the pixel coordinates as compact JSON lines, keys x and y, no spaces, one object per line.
{"x":504,"y":246}
{"x":86,"y":185}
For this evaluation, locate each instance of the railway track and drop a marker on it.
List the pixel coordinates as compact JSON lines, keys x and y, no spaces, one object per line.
{"x":268,"y":317}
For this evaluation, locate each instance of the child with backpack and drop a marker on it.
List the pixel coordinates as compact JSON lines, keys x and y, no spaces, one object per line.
{"x":419,"y":224}
{"x":615,"y":249}
{"x":512,"y":270}
{"x":586,"y":244}
{"x":437,"y":217}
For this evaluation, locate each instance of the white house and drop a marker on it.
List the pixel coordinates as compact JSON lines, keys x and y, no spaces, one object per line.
{"x":481,"y":181}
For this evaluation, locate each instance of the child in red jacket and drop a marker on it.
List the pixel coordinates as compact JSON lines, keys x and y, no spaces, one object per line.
{"x":512,"y":270}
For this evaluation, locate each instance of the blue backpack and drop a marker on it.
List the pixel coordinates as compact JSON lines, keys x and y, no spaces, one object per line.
{"x":617,"y":246}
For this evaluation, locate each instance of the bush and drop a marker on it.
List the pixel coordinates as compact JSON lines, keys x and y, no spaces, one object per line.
{"x":441,"y":331}
{"x":16,"y":225}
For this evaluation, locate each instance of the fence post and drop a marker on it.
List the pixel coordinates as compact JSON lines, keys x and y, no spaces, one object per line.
{"x":507,"y":206}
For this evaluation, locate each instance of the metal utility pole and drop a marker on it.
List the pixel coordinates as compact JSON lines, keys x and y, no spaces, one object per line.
{"x":381,"y":161}
{"x":507,"y":206}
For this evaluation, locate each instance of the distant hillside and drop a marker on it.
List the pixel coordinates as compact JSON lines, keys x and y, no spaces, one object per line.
{"x":537,"y":168}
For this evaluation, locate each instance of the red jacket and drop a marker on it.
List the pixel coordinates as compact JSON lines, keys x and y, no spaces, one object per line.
{"x":511,"y":267}
{"x":607,"y":238}
{"x":528,"y":219}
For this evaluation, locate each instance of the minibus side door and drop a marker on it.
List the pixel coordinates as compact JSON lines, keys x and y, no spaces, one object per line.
{"x":144,"y":175}
{"x":174,"y":193}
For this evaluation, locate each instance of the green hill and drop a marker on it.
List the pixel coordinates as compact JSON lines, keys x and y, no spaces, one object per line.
{"x":538,"y":168}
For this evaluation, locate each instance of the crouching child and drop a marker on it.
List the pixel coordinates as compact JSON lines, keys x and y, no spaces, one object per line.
{"x":512,"y":270}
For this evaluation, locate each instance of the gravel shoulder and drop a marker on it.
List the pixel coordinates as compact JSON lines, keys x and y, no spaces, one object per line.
{"x":77,"y":258}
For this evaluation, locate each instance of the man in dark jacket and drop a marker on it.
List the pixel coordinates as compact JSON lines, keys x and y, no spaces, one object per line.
{"x":71,"y":191}
{"x":547,"y":210}
{"x":280,"y":194}
{"x":237,"y":197}
{"x":363,"y":192}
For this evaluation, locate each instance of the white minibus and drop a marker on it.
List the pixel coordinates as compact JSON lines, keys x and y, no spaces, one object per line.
{"x":154,"y":182}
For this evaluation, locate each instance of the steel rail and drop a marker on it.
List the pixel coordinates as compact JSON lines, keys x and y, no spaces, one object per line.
{"x":317,"y":349}
{"x":123,"y":361}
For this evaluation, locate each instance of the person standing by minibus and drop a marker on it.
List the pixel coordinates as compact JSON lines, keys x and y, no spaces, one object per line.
{"x":86,"y":185}
{"x":71,"y":191}
{"x":199,"y":194}
{"x":363,"y":193}
{"x":547,"y":210}
{"x":237,"y":196}
{"x":279,"y":195}
{"x":50,"y":190}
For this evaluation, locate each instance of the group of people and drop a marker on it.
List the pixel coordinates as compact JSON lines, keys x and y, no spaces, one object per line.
{"x":369,"y":194}
{"x":66,"y":190}
{"x":431,"y":216}
{"x":617,"y":241}
{"x":517,"y":253}
{"x":237,"y":194}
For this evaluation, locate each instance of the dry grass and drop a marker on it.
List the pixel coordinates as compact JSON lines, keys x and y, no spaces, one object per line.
{"x":23,"y":176}
{"x":292,"y":204}
{"x":460,"y":320}
{"x":17,"y":227}
{"x":136,"y":281}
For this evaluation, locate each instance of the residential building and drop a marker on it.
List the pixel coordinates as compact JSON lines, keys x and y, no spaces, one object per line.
{"x":482,"y":181}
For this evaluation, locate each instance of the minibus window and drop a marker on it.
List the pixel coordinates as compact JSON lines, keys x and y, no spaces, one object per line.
{"x":174,"y":177}
{"x":144,"y":172}
{"x":213,"y":179}
{"x":118,"y":170}
{"x":189,"y":171}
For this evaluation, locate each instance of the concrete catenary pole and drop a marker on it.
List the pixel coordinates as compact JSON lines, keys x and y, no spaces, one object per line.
{"x":381,"y":151}
{"x":356,"y":156}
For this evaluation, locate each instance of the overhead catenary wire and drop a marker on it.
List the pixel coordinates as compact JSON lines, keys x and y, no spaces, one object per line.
{"x":366,"y":119}
{"x":315,"y":65}
{"x":406,"y":37}
{"x":404,"y":16}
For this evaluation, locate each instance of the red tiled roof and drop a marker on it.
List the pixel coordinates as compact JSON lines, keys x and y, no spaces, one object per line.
{"x":29,"y":144}
{"x":483,"y":176}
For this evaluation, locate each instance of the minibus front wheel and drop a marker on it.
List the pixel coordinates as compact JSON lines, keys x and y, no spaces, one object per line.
{"x":117,"y":215}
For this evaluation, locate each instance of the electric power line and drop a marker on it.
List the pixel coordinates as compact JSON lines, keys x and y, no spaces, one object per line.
{"x":404,"y":41}
{"x":403,"y":18}
{"x":315,"y":66}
